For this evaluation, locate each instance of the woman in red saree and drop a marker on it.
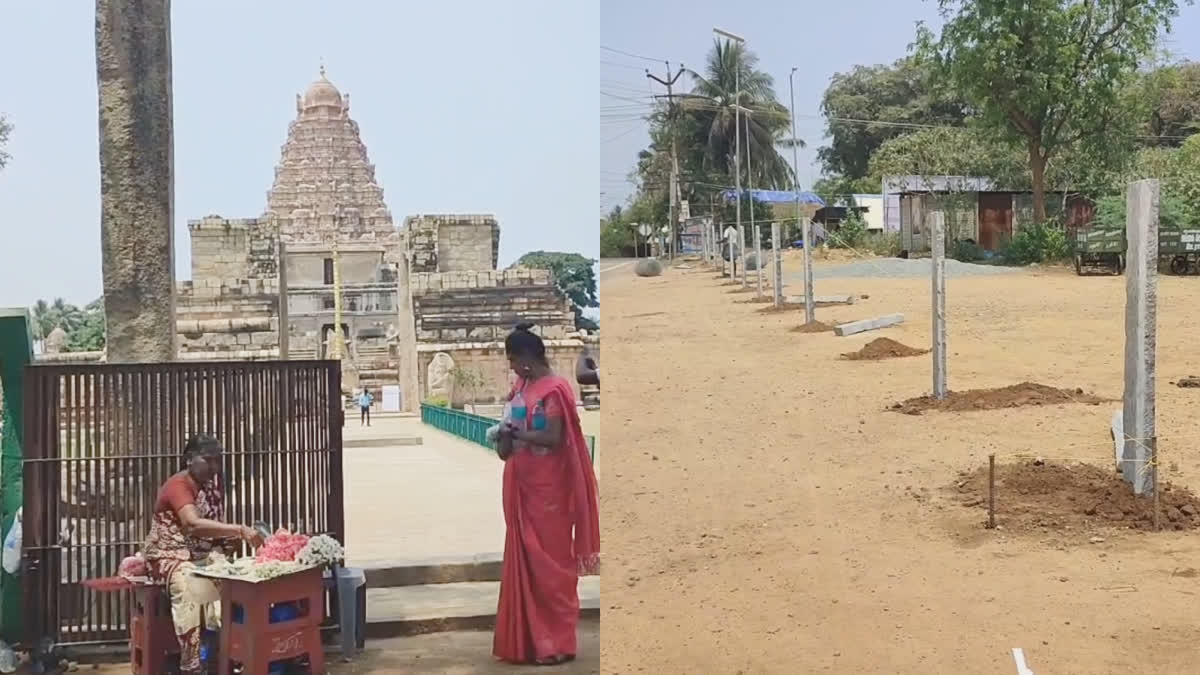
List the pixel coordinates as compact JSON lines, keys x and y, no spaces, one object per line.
{"x":550,"y":509}
{"x":184,"y":531}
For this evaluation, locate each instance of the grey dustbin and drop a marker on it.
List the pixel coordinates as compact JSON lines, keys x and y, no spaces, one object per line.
{"x":351,"y":586}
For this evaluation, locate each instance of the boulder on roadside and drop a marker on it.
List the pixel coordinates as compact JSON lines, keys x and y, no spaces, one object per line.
{"x":648,"y":268}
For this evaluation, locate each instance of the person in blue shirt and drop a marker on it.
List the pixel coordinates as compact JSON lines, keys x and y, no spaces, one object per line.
{"x":364,"y":406}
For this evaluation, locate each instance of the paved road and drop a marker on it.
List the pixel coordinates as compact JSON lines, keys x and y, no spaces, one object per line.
{"x":611,"y":266}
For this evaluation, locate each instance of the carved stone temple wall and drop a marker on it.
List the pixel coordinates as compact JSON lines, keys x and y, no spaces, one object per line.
{"x":263,"y":288}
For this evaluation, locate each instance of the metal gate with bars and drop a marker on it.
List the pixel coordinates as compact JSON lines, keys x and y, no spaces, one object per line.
{"x":101,"y":438}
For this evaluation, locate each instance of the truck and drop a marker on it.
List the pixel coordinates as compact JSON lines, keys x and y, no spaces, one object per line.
{"x":1099,"y":247}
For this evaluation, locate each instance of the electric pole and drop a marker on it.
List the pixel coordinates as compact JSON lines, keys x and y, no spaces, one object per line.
{"x":671,"y":117}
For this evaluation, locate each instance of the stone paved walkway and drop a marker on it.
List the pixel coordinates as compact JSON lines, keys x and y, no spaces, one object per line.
{"x":419,"y":502}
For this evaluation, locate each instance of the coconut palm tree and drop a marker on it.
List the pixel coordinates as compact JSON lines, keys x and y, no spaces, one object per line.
{"x":730,"y":79}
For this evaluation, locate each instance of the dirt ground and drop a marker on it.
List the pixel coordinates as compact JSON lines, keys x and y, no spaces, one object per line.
{"x":766,"y":513}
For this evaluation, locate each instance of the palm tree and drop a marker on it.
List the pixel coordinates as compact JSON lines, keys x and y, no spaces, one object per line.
{"x":43,"y":320}
{"x":711,"y":107}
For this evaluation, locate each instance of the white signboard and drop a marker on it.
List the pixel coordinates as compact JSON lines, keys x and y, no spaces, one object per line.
{"x":685,"y":210}
{"x":391,"y":398}
{"x":645,"y":229}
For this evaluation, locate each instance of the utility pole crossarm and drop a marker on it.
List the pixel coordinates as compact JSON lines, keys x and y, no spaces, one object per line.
{"x":674,"y":186}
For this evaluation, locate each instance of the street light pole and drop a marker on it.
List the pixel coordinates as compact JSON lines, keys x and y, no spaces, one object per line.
{"x":809,"y":305}
{"x":737,"y":147}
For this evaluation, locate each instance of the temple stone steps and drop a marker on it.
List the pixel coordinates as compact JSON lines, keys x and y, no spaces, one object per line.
{"x":413,"y":610}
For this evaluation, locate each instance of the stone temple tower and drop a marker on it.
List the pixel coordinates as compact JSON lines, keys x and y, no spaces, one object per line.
{"x":324,"y":180}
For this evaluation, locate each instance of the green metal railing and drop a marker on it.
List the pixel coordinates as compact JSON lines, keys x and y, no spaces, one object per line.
{"x":472,"y":427}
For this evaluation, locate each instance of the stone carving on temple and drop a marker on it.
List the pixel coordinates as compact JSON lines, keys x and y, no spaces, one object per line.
{"x":440,"y":384}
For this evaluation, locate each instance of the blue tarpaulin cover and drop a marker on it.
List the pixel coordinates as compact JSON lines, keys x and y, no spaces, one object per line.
{"x":776,"y":197}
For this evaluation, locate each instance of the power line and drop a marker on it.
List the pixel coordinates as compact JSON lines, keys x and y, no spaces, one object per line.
{"x":621,"y":65}
{"x":628,"y":131}
{"x":631,"y":54}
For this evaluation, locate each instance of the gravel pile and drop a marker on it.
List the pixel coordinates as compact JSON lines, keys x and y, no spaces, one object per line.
{"x":898,"y":268}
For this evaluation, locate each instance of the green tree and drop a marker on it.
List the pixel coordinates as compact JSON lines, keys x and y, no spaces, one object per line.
{"x":574,"y":275}
{"x":88,"y":333}
{"x":1048,"y":74}
{"x":708,"y":120}
{"x":962,"y":151}
{"x":1172,"y":96}
{"x":896,"y":99}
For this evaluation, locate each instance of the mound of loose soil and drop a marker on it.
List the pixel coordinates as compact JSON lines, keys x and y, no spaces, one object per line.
{"x":1014,"y":396}
{"x":755,"y":300}
{"x":1189,"y":382}
{"x":783,"y":307}
{"x":1036,"y":495}
{"x":814,"y":327}
{"x":883,"y":348}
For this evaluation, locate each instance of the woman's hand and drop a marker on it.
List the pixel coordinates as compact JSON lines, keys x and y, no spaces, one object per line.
{"x":504,"y":442}
{"x":252,"y":536}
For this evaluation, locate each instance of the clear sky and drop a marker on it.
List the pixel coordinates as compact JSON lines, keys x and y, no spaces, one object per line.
{"x":821,"y":38}
{"x":463,"y":106}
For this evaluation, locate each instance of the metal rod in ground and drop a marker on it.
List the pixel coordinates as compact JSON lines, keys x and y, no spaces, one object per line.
{"x":1153,"y":443}
{"x":777,"y":265}
{"x":991,"y":492}
{"x":938,"y":264}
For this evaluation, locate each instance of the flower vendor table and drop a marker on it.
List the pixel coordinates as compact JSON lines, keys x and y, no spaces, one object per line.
{"x":264,"y":621}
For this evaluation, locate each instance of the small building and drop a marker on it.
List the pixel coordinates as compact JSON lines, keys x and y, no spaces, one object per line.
{"x":868,"y":207}
{"x":975,"y":209}
{"x":788,"y":207}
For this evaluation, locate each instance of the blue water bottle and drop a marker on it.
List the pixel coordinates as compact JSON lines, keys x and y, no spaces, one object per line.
{"x":539,"y":417}
{"x":519,"y":412}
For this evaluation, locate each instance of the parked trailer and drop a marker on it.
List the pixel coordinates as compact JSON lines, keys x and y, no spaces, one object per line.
{"x":1180,"y":250}
{"x":1098,"y":247}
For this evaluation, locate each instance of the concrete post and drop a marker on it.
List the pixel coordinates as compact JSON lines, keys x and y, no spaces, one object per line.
{"x":1141,"y":316}
{"x":938,"y":260}
{"x":758,"y":259}
{"x":137,"y":194}
{"x":777,"y":263}
{"x":806,"y":240}
{"x":741,"y":234}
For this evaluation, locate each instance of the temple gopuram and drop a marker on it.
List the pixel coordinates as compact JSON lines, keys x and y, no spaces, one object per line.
{"x":420,"y":304}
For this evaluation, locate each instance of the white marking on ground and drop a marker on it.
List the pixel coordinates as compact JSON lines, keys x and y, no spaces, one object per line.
{"x":1019,"y":657}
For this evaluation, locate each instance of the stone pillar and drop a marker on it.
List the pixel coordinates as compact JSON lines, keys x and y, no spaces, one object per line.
{"x":758,"y":260}
{"x":1141,"y":316}
{"x":285,"y":332}
{"x":810,"y":305}
{"x":938,"y":263}
{"x":133,"y":72}
{"x":741,"y":235}
{"x":777,"y":264}
{"x":406,"y":334}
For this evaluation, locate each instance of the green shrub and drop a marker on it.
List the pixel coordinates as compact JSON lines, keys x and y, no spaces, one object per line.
{"x":438,"y":401}
{"x":886,"y":244}
{"x":1038,"y":243}
{"x":850,"y":234}
{"x":966,"y":251}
